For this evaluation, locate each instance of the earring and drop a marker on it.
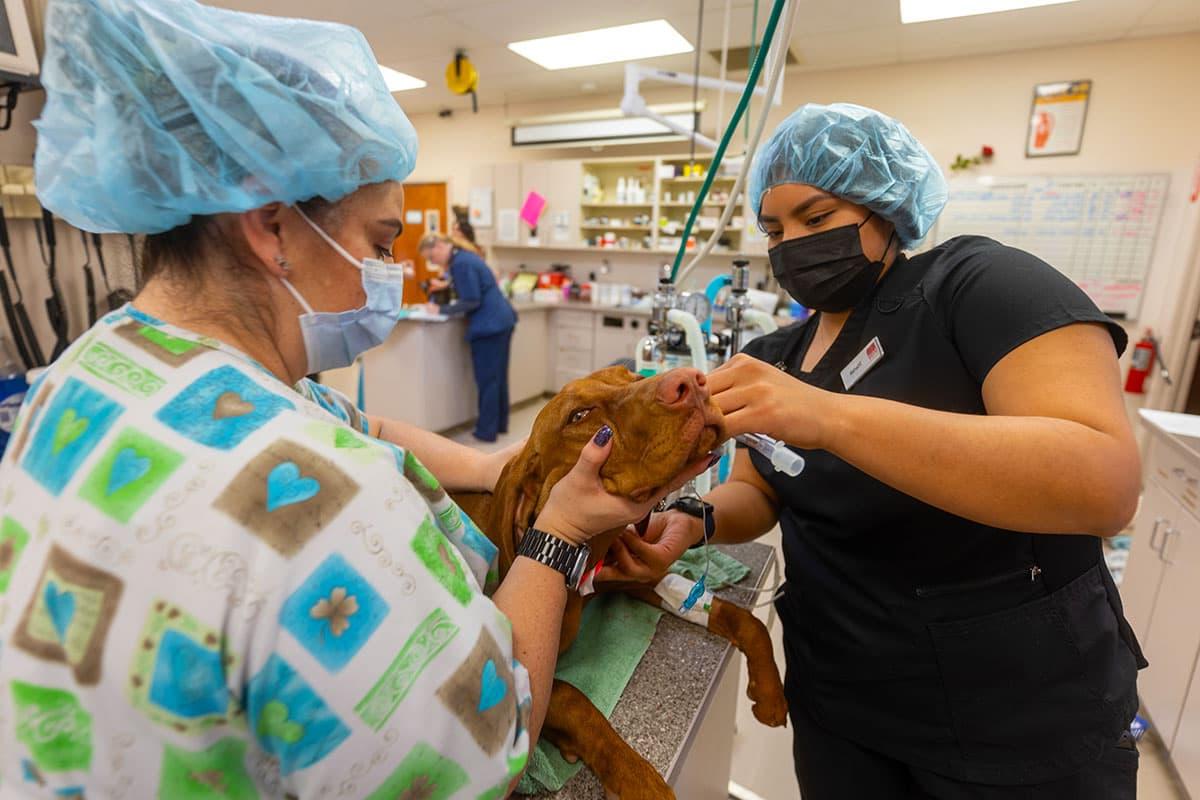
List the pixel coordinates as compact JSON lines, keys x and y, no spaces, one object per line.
{"x":283,"y":263}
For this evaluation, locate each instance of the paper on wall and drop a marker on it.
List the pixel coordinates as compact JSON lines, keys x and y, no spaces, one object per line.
{"x":506,"y":225}
{"x":480,"y":207}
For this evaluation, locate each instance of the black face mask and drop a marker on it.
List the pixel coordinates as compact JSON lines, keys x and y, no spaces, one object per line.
{"x":827,"y":271}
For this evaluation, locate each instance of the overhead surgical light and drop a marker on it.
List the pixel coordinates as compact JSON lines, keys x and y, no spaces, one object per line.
{"x":604,"y":45}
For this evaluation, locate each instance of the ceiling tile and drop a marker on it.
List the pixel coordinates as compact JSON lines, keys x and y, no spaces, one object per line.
{"x":846,"y":48}
{"x":1184,"y":14}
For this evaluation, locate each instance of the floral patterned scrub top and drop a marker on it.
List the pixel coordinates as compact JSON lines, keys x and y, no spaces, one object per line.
{"x":214,"y":585}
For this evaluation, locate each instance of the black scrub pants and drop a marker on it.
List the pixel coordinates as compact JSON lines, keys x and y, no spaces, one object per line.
{"x":490,"y":356}
{"x":829,"y":767}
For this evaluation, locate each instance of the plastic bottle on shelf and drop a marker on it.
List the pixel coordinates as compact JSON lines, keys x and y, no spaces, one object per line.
{"x":621,"y":190}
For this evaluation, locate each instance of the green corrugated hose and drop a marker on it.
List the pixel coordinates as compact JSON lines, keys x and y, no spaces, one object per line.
{"x":743,"y":104}
{"x":752,"y":54}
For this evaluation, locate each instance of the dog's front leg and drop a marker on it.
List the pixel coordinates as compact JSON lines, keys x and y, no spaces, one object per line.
{"x":749,"y":635}
{"x":577,"y":728}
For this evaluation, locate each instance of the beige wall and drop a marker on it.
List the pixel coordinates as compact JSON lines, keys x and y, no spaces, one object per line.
{"x":1144,"y":117}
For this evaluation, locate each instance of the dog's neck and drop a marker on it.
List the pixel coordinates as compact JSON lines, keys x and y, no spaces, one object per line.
{"x":494,"y":514}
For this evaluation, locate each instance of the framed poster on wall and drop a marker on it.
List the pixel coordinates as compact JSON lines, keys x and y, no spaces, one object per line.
{"x":1057,"y":117}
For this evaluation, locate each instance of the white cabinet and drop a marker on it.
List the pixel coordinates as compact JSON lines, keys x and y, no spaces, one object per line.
{"x":1143,"y":574}
{"x":527,"y":367}
{"x":1186,"y":750}
{"x":1161,"y":594}
{"x":1172,"y":637}
{"x":573,"y":345}
{"x":583,"y":341}
{"x":616,"y":336}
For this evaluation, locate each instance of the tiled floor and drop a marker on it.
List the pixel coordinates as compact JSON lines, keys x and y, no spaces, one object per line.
{"x":762,"y":757}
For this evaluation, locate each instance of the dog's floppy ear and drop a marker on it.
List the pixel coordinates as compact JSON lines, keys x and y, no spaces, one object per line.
{"x":515,"y":503}
{"x":526,"y":508}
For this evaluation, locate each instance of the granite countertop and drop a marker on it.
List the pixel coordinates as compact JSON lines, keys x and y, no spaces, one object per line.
{"x":1180,"y":429}
{"x":525,"y":305}
{"x":668,"y":694}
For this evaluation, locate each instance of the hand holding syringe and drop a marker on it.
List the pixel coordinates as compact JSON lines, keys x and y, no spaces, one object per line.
{"x":775,"y":451}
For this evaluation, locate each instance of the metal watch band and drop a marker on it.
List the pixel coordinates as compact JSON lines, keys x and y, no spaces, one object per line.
{"x":695,"y":507}
{"x":548,"y":549}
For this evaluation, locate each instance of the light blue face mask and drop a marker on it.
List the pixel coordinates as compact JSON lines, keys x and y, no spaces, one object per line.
{"x":333,"y":339}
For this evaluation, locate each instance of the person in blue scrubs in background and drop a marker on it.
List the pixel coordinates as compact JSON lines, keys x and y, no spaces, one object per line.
{"x":490,"y":323}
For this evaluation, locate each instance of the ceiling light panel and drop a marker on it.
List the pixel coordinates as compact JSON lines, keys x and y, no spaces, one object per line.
{"x":929,"y":10}
{"x":604,"y":45}
{"x":400,"y":81}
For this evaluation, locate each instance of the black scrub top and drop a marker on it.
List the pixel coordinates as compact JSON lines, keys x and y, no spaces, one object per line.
{"x":983,"y":654}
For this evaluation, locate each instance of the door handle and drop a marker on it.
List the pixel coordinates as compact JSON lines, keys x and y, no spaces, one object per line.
{"x":1158,"y":521}
{"x":1162,"y":552}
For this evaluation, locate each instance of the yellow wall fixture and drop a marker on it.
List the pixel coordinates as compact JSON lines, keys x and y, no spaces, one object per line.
{"x":462,"y":77}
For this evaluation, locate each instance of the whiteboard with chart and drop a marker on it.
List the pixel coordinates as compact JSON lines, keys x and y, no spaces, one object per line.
{"x":1099,"y":230}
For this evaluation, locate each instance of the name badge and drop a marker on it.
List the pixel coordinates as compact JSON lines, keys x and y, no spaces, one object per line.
{"x":871,"y":355}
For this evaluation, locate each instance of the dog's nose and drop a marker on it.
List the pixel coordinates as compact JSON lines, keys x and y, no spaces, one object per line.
{"x":682,"y":386}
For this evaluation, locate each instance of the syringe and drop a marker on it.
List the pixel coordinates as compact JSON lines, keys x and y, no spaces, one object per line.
{"x":775,"y":451}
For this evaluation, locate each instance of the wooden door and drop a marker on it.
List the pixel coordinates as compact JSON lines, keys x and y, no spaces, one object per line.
{"x":428,"y":202}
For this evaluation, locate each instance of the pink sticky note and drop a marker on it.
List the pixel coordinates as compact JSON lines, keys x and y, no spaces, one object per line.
{"x":535,"y":204}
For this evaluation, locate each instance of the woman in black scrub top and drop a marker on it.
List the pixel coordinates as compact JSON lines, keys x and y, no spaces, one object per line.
{"x":950,"y":628}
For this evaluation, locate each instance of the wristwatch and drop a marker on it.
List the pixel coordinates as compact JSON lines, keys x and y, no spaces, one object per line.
{"x":695,"y":507}
{"x":546,"y":548}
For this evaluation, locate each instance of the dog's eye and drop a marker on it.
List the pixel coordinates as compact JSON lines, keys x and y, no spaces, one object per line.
{"x":578,"y":416}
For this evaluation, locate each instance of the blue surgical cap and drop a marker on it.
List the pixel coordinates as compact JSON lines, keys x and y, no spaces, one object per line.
{"x":158,"y":110}
{"x":859,"y":155}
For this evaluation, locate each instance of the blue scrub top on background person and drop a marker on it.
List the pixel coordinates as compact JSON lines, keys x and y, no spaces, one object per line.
{"x":490,"y":323}
{"x":479,"y":298}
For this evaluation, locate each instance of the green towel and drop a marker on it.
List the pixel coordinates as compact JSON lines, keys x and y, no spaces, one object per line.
{"x":725,"y":570}
{"x":614,"y":635}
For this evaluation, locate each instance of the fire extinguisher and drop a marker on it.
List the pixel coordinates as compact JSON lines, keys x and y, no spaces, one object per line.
{"x":1140,"y":363}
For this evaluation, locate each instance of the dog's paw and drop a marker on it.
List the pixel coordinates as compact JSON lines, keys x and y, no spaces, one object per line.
{"x":769,"y":705}
{"x":771,"y":714}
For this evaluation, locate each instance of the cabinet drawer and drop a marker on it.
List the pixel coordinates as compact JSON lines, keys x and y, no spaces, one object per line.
{"x":576,"y":339}
{"x":564,"y":375}
{"x":575,"y":360}
{"x":1177,"y":473}
{"x":573,"y":319}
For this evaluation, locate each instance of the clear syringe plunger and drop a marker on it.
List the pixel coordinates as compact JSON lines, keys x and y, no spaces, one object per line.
{"x":775,"y":451}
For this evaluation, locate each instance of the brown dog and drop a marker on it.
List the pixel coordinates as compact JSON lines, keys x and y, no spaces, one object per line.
{"x":660,"y":425}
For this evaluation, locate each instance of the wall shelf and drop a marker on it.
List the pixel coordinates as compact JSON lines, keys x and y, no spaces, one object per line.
{"x":719,"y":178}
{"x":618,"y":205}
{"x":738,"y":204}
